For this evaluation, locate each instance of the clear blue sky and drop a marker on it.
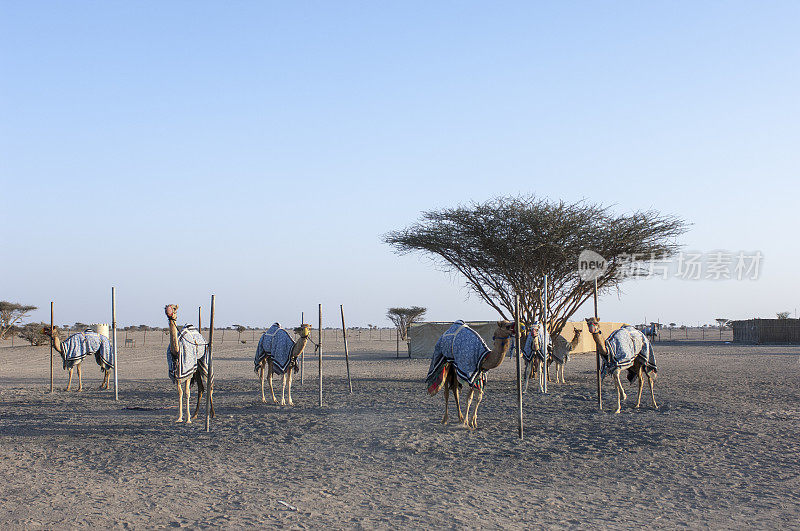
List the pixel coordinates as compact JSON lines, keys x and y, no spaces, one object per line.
{"x":259,"y":150}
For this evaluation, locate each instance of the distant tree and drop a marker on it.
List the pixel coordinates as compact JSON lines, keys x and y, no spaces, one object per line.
{"x":505,"y":247}
{"x":143,"y":327}
{"x":80,"y":326}
{"x":722,"y":322}
{"x":240,"y":329}
{"x":403,"y":318}
{"x":783,"y":315}
{"x":12,"y":313}
{"x":32,"y":332}
{"x":673,"y":325}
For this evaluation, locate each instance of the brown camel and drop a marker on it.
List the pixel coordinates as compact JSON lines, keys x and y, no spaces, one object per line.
{"x":80,"y":346}
{"x":502,"y":341}
{"x":176,"y":344}
{"x":560,"y":353}
{"x":304,"y":330}
{"x":643,"y":363}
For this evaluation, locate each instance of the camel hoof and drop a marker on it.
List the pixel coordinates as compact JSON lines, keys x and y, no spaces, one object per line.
{"x":617,"y":411}
{"x":179,"y":420}
{"x":291,"y":403}
{"x":636,"y":406}
{"x":188,"y":421}
{"x":283,"y":402}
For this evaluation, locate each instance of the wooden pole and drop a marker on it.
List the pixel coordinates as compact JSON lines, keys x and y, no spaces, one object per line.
{"x":114,"y":334}
{"x":303,"y":355}
{"x":597,"y":354}
{"x":199,"y":321}
{"x":346,"y":355}
{"x":517,"y":350}
{"x":320,"y":355}
{"x":397,"y":336}
{"x":51,"y":347}
{"x":210,"y":379}
{"x":546,"y":338}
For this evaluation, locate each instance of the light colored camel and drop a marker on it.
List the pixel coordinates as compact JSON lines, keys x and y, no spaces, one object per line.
{"x":304,"y":330}
{"x":184,"y":384}
{"x":560,"y":343}
{"x":76,"y":364}
{"x":502,"y":341}
{"x":637,"y":370}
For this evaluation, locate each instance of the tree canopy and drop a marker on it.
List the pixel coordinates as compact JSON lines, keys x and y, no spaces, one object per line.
{"x":404,"y":317}
{"x":507,"y":245}
{"x":12,"y":313}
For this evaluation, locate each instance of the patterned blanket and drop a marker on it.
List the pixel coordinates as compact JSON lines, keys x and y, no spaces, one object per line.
{"x":528,"y":349}
{"x":465,"y":349}
{"x":623,"y":346}
{"x":193,"y":355}
{"x":78,"y":346}
{"x":264,"y":347}
{"x":281,"y":353}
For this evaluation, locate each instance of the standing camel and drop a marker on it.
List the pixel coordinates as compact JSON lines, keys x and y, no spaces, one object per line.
{"x":625,"y":348}
{"x":278,"y":353}
{"x":78,"y":346}
{"x":559,"y":354}
{"x":187,"y":361}
{"x":461,"y":356}
{"x":533,"y":352}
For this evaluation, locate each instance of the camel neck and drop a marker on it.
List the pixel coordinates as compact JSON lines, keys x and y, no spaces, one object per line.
{"x":598,"y":341}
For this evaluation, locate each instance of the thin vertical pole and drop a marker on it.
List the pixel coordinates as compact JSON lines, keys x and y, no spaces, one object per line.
{"x":546,"y":338}
{"x":397,"y":337}
{"x":320,"y":355}
{"x":346,"y":355}
{"x":303,"y":354}
{"x":597,"y":354}
{"x":51,"y":346}
{"x":199,"y":321}
{"x":114,"y":335}
{"x":210,"y":379}
{"x":516,"y":355}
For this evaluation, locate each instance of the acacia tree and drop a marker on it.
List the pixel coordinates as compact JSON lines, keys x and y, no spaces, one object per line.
{"x":12,"y":313}
{"x":403,"y":318}
{"x":782,"y":315}
{"x":507,"y":245}
{"x":32,"y":333}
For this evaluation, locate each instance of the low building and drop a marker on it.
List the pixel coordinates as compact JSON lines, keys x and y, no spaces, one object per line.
{"x":767,"y":331}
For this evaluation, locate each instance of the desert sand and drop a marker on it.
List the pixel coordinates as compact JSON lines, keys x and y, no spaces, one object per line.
{"x":721,"y":451}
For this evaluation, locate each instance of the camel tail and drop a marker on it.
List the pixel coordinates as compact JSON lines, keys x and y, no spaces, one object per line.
{"x":632,"y":375}
{"x":197,"y":378}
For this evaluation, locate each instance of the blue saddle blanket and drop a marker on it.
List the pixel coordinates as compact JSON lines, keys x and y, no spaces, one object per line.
{"x":193,"y":355}
{"x":264,"y":347}
{"x":623,"y":346}
{"x":78,"y":346}
{"x":465,"y":349}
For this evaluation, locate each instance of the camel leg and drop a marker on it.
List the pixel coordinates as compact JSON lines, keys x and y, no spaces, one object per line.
{"x":525,"y":372}
{"x":469,"y":403}
{"x":188,"y":393}
{"x":458,"y":404}
{"x":652,"y":394}
{"x":180,"y":402}
{"x":548,"y":370}
{"x":446,"y":400}
{"x":289,"y":384}
{"x":69,"y":379}
{"x":283,"y":389}
{"x":618,"y":386}
{"x":80,"y":378}
{"x":474,"y":423}
{"x":271,"y":388}
{"x":261,"y":377}
{"x":641,"y":386}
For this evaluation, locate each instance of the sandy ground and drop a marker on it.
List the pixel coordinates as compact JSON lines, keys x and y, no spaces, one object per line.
{"x":722,"y":450}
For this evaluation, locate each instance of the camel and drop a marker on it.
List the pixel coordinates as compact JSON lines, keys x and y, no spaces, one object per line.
{"x":266,"y":359}
{"x":465,"y":344}
{"x":76,"y":347}
{"x":626,"y":348}
{"x":559,"y":354}
{"x":533,"y":354}
{"x":187,"y":357}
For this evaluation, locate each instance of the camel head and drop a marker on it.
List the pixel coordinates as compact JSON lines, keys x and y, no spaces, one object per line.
{"x":505,"y":329}
{"x":172,"y":311}
{"x":304,"y":331}
{"x":576,"y":332}
{"x":50,"y":331}
{"x":593,"y":324}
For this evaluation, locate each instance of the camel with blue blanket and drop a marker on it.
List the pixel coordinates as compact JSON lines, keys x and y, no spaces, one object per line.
{"x":188,"y":363}
{"x":625,"y":348}
{"x":78,"y":346}
{"x":461,"y":356}
{"x":277,"y":353}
